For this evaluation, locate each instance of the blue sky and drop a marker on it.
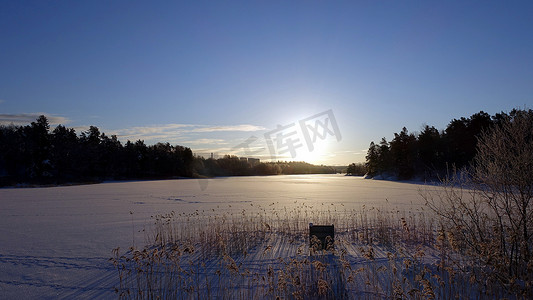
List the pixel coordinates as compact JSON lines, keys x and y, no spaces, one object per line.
{"x":211,"y":75}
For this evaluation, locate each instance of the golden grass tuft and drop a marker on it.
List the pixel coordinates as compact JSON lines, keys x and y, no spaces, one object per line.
{"x":266,"y":254}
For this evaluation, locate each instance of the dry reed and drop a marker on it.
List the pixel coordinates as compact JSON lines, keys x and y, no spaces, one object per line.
{"x":264,"y":254}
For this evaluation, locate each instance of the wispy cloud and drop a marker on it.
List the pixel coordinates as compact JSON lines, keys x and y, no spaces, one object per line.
{"x":244,"y":127}
{"x":180,"y":132}
{"x":150,"y":130}
{"x":206,"y":142}
{"x":2,"y":101}
{"x":27,"y":118}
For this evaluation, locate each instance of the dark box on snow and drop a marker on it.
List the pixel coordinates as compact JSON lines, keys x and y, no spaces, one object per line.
{"x":322,"y":232}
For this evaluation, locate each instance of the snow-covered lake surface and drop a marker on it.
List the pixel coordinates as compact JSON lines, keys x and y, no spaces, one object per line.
{"x":56,"y":242}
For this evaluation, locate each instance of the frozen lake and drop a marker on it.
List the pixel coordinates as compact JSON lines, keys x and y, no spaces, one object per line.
{"x":55,"y":242}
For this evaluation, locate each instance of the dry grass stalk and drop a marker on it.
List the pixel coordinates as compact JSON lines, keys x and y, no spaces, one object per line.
{"x":377,"y":254}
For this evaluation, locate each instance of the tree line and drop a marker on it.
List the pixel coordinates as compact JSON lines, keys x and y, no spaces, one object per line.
{"x":36,"y":154}
{"x":231,"y":165}
{"x":356,"y":169}
{"x":431,"y":152}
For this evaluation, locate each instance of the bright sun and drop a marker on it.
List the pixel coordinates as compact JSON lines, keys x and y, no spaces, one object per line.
{"x":319,"y":155}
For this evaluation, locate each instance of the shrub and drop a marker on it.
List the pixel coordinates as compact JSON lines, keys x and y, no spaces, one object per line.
{"x":487,"y":211}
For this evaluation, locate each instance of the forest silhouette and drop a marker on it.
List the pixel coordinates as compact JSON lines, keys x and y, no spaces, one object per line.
{"x":35,"y":154}
{"x":431,"y":153}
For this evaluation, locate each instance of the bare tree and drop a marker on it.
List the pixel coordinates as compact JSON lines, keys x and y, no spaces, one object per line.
{"x":504,"y":171}
{"x":487,"y":211}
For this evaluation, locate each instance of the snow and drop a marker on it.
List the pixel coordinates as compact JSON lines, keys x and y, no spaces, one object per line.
{"x":56,"y":242}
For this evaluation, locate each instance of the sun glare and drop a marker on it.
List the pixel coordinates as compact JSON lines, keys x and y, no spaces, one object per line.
{"x":319,"y":155}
